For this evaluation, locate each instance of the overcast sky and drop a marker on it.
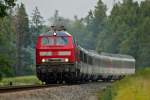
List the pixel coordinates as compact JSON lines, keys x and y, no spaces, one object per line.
{"x":67,"y":8}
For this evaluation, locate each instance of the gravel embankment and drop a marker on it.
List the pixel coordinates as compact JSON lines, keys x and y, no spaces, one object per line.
{"x":75,"y":92}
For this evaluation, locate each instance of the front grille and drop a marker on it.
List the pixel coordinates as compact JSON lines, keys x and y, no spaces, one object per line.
{"x":55,"y":60}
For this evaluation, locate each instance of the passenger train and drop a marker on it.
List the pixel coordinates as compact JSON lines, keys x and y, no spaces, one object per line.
{"x":60,"y":58}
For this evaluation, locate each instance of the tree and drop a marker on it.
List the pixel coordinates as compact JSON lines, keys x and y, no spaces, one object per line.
{"x":99,"y":17}
{"x":7,"y":46}
{"x":97,"y":24}
{"x":5,"y":5}
{"x":36,"y":25}
{"x":122,"y":23}
{"x":37,"y":20}
{"x":23,"y":39}
{"x":127,"y":31}
{"x":143,"y":32}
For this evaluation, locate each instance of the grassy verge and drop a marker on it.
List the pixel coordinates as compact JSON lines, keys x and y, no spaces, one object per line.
{"x":135,"y":87}
{"x":23,"y":80}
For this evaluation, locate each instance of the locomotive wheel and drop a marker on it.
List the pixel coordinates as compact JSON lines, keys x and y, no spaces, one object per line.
{"x":81,"y":78}
{"x":50,"y":82}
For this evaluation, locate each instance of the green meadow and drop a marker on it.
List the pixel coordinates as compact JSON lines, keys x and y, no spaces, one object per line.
{"x":22,"y":80}
{"x":135,"y":87}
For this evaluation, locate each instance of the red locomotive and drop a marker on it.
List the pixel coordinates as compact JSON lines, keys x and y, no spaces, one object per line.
{"x":55,"y":56}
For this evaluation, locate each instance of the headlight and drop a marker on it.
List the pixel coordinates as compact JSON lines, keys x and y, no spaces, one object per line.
{"x":64,"y":53}
{"x":45,"y":53}
{"x":43,"y":60}
{"x":66,"y":60}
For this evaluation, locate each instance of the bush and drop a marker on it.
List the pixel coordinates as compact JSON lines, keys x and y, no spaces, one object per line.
{"x":107,"y":94}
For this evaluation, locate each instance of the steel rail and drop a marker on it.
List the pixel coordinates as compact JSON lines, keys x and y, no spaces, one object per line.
{"x":8,"y":89}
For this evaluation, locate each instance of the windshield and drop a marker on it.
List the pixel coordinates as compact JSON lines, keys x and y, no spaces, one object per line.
{"x":55,"y":40}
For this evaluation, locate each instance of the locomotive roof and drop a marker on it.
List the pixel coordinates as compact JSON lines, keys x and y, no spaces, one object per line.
{"x":58,"y":33}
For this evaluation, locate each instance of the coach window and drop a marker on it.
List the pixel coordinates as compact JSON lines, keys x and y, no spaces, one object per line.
{"x":99,"y":62}
{"x":102,"y":63}
{"x":85,"y":58}
{"x":90,"y":60}
{"x":130,"y":64}
{"x":81,"y":55}
{"x":95,"y":63}
{"x":125,"y":64}
{"x":119,"y":63}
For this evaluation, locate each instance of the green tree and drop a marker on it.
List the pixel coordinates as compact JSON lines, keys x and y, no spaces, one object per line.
{"x":36,"y":25}
{"x":121,"y":26}
{"x":5,"y":5}
{"x":7,"y":46}
{"x":127,"y":31}
{"x":98,"y":24}
{"x":99,"y":17}
{"x":23,"y":40}
{"x":143,"y":32}
{"x":37,"y":20}
{"x":78,"y":30}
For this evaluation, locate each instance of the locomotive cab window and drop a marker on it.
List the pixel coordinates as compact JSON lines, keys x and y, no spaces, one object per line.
{"x":47,"y":41}
{"x":54,"y":40}
{"x":61,"y":40}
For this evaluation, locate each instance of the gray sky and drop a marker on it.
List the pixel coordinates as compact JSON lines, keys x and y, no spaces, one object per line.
{"x":67,"y":8}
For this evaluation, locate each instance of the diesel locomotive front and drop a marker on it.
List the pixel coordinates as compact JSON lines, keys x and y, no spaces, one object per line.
{"x":56,"y":56}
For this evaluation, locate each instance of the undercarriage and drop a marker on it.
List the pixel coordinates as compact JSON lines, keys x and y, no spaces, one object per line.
{"x":57,"y":73}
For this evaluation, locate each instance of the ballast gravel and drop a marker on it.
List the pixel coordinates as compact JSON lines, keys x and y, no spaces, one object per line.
{"x":74,"y":92}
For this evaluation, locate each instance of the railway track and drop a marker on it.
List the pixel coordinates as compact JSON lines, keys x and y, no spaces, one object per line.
{"x":84,"y":91}
{"x":8,"y":89}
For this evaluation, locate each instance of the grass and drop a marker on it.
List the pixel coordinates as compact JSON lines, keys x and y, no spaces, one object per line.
{"x":22,"y":80}
{"x":135,"y":87}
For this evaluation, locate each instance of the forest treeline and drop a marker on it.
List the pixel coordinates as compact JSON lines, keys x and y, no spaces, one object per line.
{"x":17,"y":38}
{"x":125,"y":31}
